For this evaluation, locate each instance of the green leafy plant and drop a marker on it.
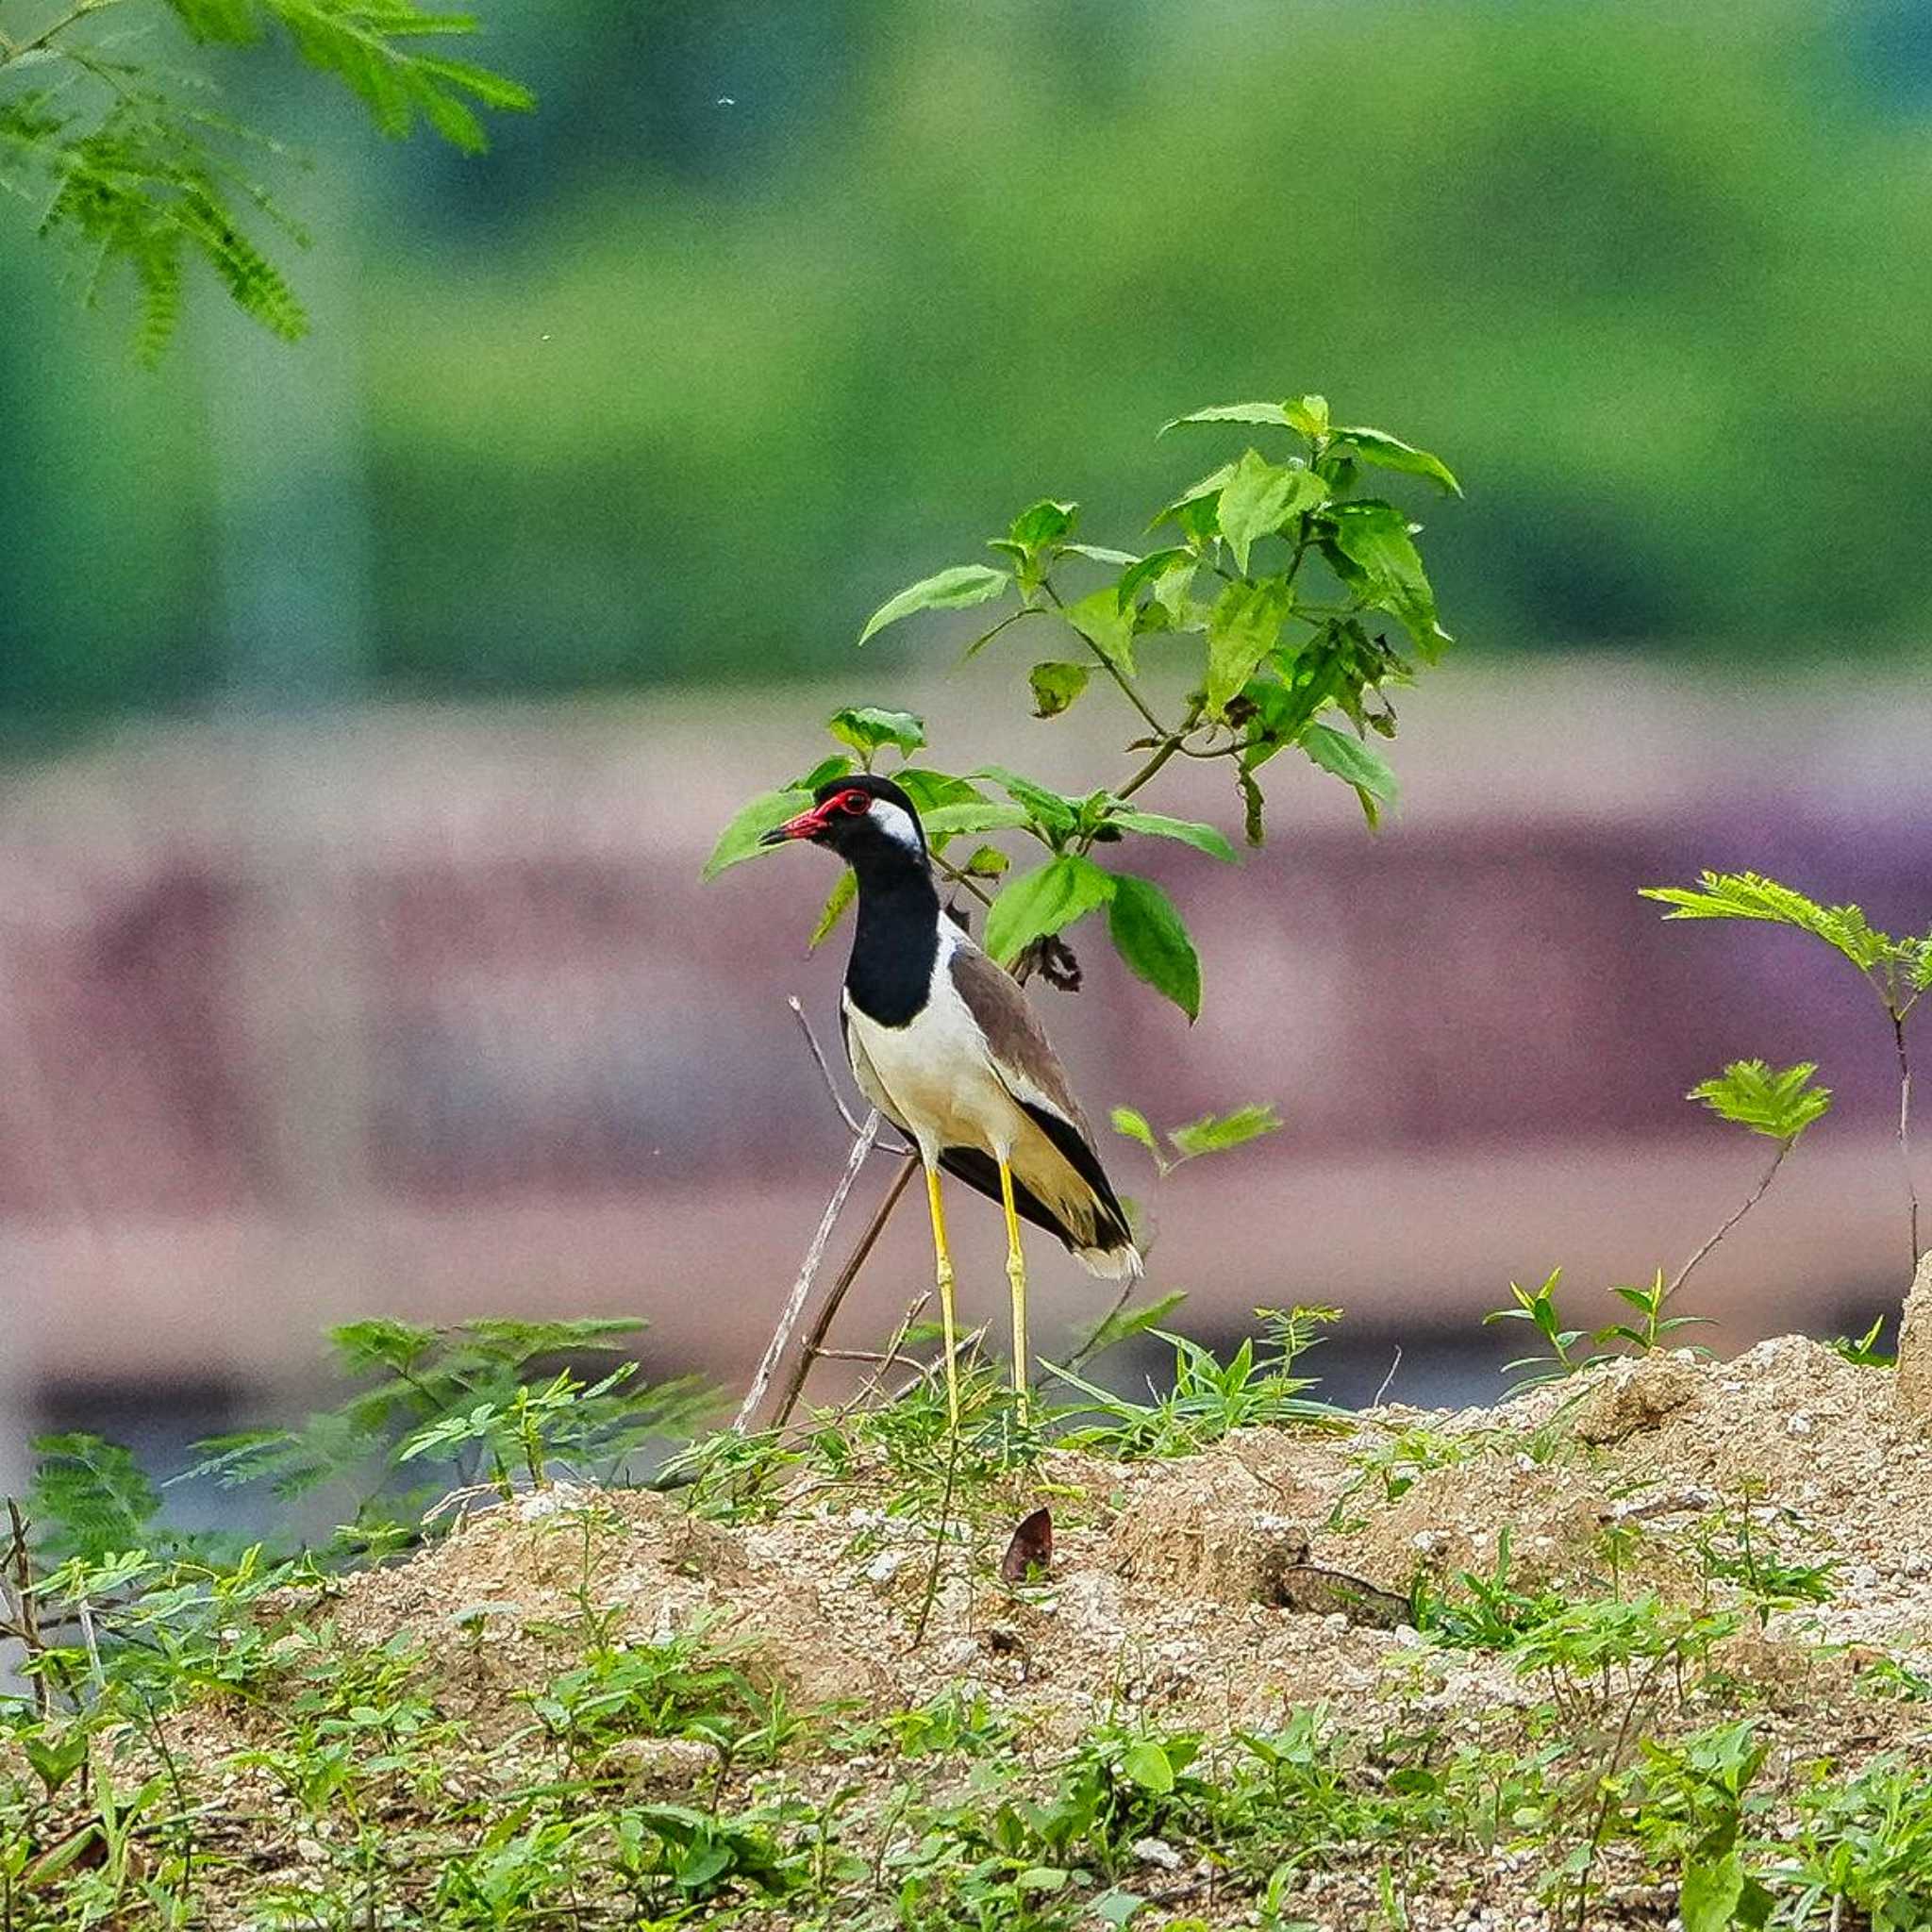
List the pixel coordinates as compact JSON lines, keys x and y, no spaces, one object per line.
{"x":1255,"y":1386}
{"x":1538,"y":1306}
{"x":1867,"y":1351}
{"x":1898,"y":971}
{"x":1688,"y":1804}
{"x":1865,"y":1842}
{"x":124,"y":156}
{"x":1285,"y":579}
{"x":1778,"y":1102}
{"x":472,"y":1402}
{"x":1211,"y":1134}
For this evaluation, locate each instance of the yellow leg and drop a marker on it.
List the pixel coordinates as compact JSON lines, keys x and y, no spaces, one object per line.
{"x":943,"y":1274}
{"x":1016,"y":1280}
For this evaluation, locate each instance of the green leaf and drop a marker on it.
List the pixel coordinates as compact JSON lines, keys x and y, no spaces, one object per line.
{"x":842,"y":895}
{"x":1115,"y":1908}
{"x":1059,"y":814}
{"x":1099,"y":552}
{"x":1041,"y":1878}
{"x":1778,"y":1104}
{"x":1209,"y":486}
{"x":1055,"y":687}
{"x":950,"y":589}
{"x":1147,"y":1765}
{"x":1354,"y":763}
{"x":1261,"y":497}
{"x":1372,"y":551}
{"x":1106,"y":626}
{"x":1310,"y":414}
{"x":1241,"y":630}
{"x":981,"y":815}
{"x":834,"y":766}
{"x":928,"y":790}
{"x":1711,"y":1890}
{"x":1122,"y":1325}
{"x":1216,"y":1133}
{"x":1232,"y":412}
{"x":1150,"y":936}
{"x":1043,"y":523}
{"x":987,"y":863}
{"x":1133,"y":1124}
{"x":1152,"y":569}
{"x":1046,"y":900}
{"x":739,"y":840}
{"x":865,"y":728}
{"x":1391,"y":453}
{"x":1750,"y":896}
{"x":1157,"y":824}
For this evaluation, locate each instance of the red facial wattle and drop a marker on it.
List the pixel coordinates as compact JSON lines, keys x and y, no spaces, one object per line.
{"x":808,"y":825}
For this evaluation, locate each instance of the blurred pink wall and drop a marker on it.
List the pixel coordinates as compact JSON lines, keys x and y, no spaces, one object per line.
{"x":426,"y":1013}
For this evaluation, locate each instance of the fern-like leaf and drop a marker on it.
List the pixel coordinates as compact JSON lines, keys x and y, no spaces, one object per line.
{"x":1750,"y":895}
{"x":1779,"y":1103}
{"x":362,"y":43}
{"x":88,"y":1498}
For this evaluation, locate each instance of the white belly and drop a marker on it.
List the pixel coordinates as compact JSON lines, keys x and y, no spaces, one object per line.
{"x":932,"y":1075}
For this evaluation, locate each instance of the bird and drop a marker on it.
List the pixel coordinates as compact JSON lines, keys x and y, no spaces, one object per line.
{"x":945,"y":1044}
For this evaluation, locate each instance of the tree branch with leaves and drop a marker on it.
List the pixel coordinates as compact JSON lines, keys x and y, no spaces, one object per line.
{"x":1273,"y":588}
{"x":1899,"y":970}
{"x":123,"y":156}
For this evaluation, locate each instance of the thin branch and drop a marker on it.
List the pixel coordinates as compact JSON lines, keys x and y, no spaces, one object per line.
{"x":811,"y":1040}
{"x":1389,"y":1378}
{"x":938,"y":1541}
{"x":801,"y":1288}
{"x":876,"y":1382}
{"x":1170,"y":744}
{"x":985,"y":638}
{"x":1905,"y":1122}
{"x":1128,"y":688}
{"x":800,"y":1367}
{"x":27,"y":1604}
{"x":962,"y":878}
{"x":1756,"y":1194}
{"x":1101,"y":1326}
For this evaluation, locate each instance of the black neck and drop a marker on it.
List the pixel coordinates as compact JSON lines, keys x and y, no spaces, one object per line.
{"x":896,"y":939}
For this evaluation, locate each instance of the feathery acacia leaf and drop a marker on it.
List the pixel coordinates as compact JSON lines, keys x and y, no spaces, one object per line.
{"x":1750,"y":895}
{"x":1779,"y":1103}
{"x":147,"y":183}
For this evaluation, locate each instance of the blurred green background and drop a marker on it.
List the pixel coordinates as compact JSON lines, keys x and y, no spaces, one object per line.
{"x":771,"y":306}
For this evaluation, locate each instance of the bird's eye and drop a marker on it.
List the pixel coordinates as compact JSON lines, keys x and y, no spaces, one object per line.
{"x":855,"y":802}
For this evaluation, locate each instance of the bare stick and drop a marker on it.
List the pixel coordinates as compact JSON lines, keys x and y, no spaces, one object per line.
{"x":801,"y":1288}
{"x":914,"y":1309}
{"x":1388,"y":1378}
{"x":811,"y":1040}
{"x":1751,"y":1200}
{"x":29,"y":1621}
{"x":1904,"y":1126}
{"x":794,"y":1386}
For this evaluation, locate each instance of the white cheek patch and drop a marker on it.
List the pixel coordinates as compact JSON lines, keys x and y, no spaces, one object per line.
{"x":898,"y":824}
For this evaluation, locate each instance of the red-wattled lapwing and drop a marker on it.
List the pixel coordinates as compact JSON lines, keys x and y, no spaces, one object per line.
{"x":946,"y":1044}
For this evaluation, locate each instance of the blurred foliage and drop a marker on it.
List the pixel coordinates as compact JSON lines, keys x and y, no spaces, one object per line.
{"x":126,"y":160}
{"x":770,"y":300}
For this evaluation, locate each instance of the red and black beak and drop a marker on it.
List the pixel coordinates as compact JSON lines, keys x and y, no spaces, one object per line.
{"x":808,"y":824}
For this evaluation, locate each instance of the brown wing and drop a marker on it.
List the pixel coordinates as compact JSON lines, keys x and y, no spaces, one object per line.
{"x":1033,"y":1075}
{"x":1021,"y":1051}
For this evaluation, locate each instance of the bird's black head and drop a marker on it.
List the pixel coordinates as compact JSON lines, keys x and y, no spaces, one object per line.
{"x":869,"y":822}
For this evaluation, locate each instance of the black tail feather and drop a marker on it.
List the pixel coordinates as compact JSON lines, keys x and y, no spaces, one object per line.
{"x":978,"y":1170}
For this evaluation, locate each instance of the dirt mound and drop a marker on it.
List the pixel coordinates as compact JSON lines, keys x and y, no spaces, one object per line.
{"x":1221,"y":1594}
